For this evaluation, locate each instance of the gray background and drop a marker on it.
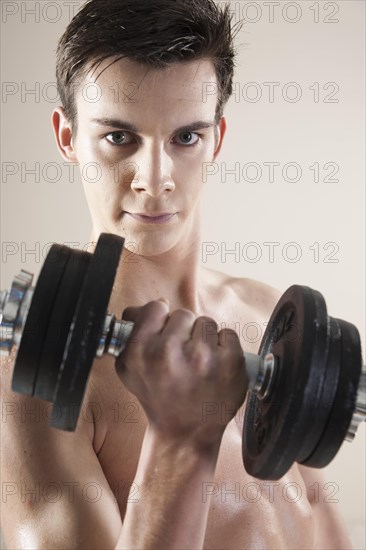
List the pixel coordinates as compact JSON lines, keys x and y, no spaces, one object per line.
{"x":309,"y":51}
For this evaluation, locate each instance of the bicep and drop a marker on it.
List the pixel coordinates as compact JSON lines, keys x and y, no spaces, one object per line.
{"x":54,"y":491}
{"x":330,"y":528}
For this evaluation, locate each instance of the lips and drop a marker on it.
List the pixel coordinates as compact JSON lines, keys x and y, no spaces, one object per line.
{"x":162,"y":217}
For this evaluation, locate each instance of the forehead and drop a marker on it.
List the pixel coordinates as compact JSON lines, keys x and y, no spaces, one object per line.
{"x":130,"y":87}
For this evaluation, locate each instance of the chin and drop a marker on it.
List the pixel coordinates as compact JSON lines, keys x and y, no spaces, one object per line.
{"x":148,"y":246}
{"x":148,"y":250}
{"x":149,"y":241}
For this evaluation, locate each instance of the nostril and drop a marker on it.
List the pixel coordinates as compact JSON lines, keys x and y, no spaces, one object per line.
{"x":137,"y":186}
{"x":169,"y":186}
{"x":154,"y":189}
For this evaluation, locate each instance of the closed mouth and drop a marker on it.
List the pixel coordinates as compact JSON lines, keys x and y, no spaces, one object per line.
{"x":162,"y":217}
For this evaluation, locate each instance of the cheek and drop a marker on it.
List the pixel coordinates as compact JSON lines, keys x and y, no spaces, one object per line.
{"x":106,"y":166}
{"x":92,"y":159}
{"x":190,"y":181}
{"x":102,"y":199}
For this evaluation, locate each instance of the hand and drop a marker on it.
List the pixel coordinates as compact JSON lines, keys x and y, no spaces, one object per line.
{"x":180,"y":367}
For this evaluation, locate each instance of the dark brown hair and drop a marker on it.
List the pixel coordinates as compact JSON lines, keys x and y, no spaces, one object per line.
{"x":155,"y":33}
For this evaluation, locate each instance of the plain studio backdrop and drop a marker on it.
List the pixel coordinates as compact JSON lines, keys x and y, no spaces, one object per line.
{"x":285,"y":201}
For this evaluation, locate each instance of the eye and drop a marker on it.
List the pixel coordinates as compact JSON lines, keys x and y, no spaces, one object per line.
{"x":119,"y":138}
{"x":186,"y":138}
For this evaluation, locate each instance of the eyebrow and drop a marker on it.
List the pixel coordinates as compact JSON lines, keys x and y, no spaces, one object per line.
{"x":116,"y":123}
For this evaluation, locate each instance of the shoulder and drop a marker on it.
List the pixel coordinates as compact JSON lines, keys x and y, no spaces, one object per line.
{"x":256,"y":294}
{"x":252,"y":294}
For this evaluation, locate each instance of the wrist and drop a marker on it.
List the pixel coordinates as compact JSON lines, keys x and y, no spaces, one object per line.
{"x":171,"y":476}
{"x":182,"y":447}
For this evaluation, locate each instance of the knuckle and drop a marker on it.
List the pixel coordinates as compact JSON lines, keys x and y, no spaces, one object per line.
{"x":184,"y":313}
{"x":200,"y":357}
{"x":204,"y":320}
{"x":228,"y":336}
{"x":161,"y":349}
{"x":170,"y":343}
{"x":129,"y":313}
{"x":156,"y":307}
{"x":147,"y":315}
{"x":207,"y":327}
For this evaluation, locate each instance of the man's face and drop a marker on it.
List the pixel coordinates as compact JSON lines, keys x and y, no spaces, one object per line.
{"x":141,"y":146}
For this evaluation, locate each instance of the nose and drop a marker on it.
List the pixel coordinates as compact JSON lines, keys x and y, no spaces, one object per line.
{"x":153,"y":175}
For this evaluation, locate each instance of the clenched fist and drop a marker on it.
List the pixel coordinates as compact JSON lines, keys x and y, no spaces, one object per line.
{"x":176,"y":365}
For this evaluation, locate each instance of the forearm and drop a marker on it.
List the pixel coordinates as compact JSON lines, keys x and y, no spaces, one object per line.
{"x":170,"y":512}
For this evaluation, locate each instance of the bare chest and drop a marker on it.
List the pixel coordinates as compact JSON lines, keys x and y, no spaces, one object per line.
{"x":244,"y":512}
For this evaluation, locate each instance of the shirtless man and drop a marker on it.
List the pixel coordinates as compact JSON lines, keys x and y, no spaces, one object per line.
{"x":150,"y":131}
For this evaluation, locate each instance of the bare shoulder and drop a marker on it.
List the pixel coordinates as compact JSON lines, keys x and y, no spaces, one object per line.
{"x":250,"y":293}
{"x":36,"y":456}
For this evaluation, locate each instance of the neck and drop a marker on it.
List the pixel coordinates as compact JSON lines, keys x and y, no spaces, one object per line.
{"x":174,"y":275}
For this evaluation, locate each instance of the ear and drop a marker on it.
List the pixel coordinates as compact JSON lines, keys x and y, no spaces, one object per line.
{"x":63,"y":134}
{"x":220,"y":133}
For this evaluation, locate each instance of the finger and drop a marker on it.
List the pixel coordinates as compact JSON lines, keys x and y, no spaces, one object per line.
{"x":148,"y":319}
{"x":181,"y":324}
{"x":228,"y":338}
{"x":131,"y":313}
{"x":205,"y":330}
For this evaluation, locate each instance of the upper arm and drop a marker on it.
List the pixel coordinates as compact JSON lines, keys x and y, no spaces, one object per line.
{"x":54,"y":491}
{"x":330,"y":530}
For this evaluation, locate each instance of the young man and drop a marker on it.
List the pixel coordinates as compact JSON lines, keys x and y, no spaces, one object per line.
{"x":131,"y":76}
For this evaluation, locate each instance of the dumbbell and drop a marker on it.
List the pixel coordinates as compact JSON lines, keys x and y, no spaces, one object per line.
{"x":306,"y":390}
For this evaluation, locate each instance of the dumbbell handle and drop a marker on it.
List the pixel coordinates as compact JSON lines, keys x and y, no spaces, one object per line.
{"x":260,"y":370}
{"x":14,"y":307}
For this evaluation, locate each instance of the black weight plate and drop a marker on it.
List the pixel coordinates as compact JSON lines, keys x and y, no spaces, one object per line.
{"x":329,"y":389}
{"x":59,"y":324}
{"x":314,"y":417}
{"x":85,"y":332}
{"x":31,"y":344}
{"x":345,"y":400}
{"x":276,"y":428}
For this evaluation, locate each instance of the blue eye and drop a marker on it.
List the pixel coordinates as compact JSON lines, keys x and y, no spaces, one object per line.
{"x":119,"y":138}
{"x":186,"y":138}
